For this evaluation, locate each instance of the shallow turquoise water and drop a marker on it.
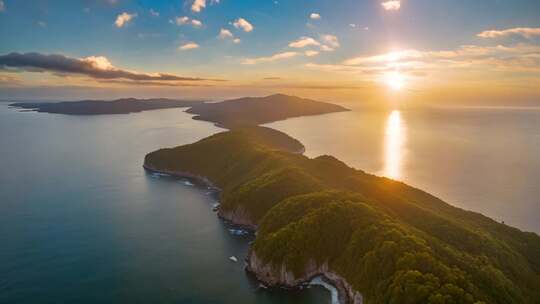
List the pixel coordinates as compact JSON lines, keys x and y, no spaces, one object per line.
{"x":81,"y":222}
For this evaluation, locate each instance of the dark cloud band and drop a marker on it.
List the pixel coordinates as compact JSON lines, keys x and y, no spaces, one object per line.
{"x":63,"y":64}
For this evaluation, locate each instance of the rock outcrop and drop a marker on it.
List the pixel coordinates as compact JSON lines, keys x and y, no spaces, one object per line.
{"x":271,"y":275}
{"x":238,"y":216}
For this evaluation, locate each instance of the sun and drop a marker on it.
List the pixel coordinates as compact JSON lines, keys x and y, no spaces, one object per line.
{"x":394,"y":80}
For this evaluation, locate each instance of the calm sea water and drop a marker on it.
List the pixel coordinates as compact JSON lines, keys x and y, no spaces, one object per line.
{"x":481,"y":159}
{"x":81,"y":222}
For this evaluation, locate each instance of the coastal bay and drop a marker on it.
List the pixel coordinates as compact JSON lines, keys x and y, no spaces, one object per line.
{"x":81,"y":222}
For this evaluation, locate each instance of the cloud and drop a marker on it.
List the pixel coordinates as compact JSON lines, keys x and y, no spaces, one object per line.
{"x":332,"y":67}
{"x":319,"y":86}
{"x":198,"y":5}
{"x":225,"y":33}
{"x":188,"y":46}
{"x":155,"y":83}
{"x":314,"y":16}
{"x":196,"y":23}
{"x":186,"y":20}
{"x":243,"y":24}
{"x":154,"y":13}
{"x":7,"y":80}
{"x":326,"y":48}
{"x":278,"y":56}
{"x":97,"y":67}
{"x":526,"y":32}
{"x":2,"y":6}
{"x":181,"y":20}
{"x":123,"y":19}
{"x":330,"y":40}
{"x":517,"y":58}
{"x":311,"y":53}
{"x":393,"y":5}
{"x":522,"y":59}
{"x":303,"y":42}
{"x":383,"y":58}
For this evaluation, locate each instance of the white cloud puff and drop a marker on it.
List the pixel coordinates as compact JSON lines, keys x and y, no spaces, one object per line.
{"x":188,"y":46}
{"x":196,"y":23}
{"x":243,"y":24}
{"x":315,"y":16}
{"x":392,"y":5}
{"x":303,"y":42}
{"x":225,"y":33}
{"x":311,"y":53}
{"x":123,"y":19}
{"x":186,"y":20}
{"x":199,"y":5}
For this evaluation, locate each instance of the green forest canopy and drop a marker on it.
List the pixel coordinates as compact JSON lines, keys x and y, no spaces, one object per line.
{"x":391,"y":242}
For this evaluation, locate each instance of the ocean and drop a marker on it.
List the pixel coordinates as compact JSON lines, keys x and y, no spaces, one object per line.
{"x":82,"y":222}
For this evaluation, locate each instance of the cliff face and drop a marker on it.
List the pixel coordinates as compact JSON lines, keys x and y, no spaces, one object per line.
{"x":281,"y":276}
{"x":238,"y":216}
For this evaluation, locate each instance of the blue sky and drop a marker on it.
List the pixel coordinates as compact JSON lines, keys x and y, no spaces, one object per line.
{"x":150,"y":41}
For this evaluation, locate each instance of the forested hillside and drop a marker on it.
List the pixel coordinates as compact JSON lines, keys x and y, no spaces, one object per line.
{"x":390,"y":242}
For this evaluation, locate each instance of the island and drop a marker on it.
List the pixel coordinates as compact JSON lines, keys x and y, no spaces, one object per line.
{"x":375,"y":239}
{"x":101,"y":107}
{"x":253,"y":111}
{"x":243,"y":112}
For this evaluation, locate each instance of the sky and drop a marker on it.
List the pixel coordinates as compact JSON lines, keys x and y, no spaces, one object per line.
{"x":363,"y":51}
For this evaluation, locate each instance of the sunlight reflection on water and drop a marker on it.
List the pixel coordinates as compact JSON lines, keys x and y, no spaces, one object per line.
{"x":393,"y":145}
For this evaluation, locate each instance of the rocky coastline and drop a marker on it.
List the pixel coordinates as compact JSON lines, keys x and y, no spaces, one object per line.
{"x":266,"y":273}
{"x":281,"y":277}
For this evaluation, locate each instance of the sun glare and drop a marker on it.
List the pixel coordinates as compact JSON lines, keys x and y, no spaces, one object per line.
{"x":395,"y":80}
{"x":393,"y":146}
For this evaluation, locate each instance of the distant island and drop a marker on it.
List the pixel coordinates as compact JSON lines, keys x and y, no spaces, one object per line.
{"x":252,"y":111}
{"x":375,"y":239}
{"x":248,"y":111}
{"x":101,"y":107}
